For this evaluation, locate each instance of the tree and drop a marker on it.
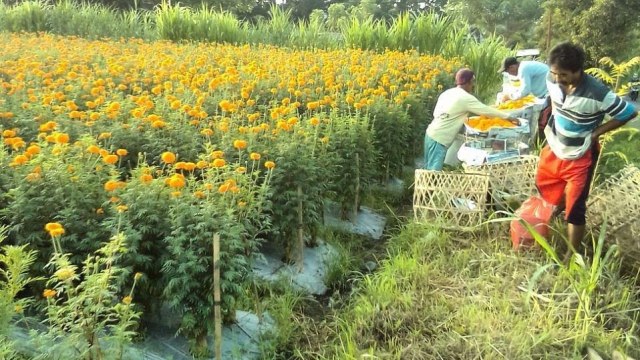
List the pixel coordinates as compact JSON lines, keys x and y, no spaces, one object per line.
{"x":514,"y":20}
{"x":602,"y":27}
{"x":337,"y":13}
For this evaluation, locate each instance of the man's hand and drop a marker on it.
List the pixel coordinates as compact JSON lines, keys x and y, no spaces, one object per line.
{"x":505,"y":98}
{"x":514,"y":120}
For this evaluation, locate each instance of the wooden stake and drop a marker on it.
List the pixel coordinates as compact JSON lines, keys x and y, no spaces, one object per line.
{"x":300,"y":232}
{"x":357,"y":197}
{"x":217,"y":317}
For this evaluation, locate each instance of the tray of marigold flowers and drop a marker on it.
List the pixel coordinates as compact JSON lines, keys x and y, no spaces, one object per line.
{"x":518,"y":104}
{"x":482,"y":124}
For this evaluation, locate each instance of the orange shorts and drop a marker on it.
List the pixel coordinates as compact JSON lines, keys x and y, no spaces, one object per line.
{"x":571,"y":179}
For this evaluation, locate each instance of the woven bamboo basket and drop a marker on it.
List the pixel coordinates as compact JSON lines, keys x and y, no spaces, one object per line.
{"x":510,"y":182}
{"x":454,"y":200}
{"x":616,"y":202}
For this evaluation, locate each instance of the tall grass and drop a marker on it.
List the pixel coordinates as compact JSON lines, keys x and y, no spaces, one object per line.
{"x":174,"y":22}
{"x":214,"y":26}
{"x":26,"y":16}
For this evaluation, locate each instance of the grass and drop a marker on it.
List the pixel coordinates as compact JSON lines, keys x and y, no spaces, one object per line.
{"x":444,"y":295}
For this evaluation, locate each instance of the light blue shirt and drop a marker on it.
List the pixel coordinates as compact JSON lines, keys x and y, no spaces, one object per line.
{"x":533,"y":79}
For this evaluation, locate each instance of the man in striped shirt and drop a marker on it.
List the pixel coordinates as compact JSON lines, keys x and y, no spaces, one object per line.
{"x":579,"y":105}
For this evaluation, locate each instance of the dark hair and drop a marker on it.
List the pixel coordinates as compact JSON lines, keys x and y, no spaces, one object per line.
{"x":567,"y":56}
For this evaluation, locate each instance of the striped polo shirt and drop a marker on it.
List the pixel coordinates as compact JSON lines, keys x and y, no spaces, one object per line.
{"x":577,"y":115}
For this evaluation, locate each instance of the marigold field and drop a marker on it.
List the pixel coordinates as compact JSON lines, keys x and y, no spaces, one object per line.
{"x":167,"y":144}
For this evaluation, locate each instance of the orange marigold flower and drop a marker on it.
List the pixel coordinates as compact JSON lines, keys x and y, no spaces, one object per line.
{"x":92,"y":149}
{"x":217,"y":154}
{"x":8,"y":133}
{"x":112,"y":185}
{"x":49,"y":293}
{"x":254,"y":156}
{"x":19,"y":160}
{"x":61,"y":138}
{"x":219,"y":163}
{"x":146,"y":178}
{"x":199,"y":194}
{"x":122,"y":152}
{"x":176,"y":181}
{"x":202,"y":164}
{"x":269,"y":164}
{"x":168,"y":157}
{"x":110,"y":159}
{"x":33,"y":150}
{"x":239,"y":144}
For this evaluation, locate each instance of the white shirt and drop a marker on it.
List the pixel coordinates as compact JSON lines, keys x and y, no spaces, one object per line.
{"x":452,"y":109}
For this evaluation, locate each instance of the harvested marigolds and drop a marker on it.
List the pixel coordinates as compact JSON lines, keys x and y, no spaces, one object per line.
{"x":484,"y":123}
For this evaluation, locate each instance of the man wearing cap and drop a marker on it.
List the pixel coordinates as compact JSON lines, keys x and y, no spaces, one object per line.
{"x":532,"y":76}
{"x":452,"y":108}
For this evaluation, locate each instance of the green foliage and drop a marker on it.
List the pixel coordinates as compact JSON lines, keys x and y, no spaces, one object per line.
{"x":86,"y":315}
{"x":15,"y":262}
{"x":603,"y":28}
{"x":349,"y":158}
{"x":297,"y":187}
{"x":616,"y":74}
{"x":174,"y":22}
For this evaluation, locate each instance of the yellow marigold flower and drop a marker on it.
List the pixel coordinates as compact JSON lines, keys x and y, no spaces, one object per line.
{"x":218,"y":163}
{"x":254,"y":156}
{"x":61,"y":138}
{"x":99,"y":211}
{"x":103,"y":152}
{"x":314,"y":121}
{"x":114,"y":199}
{"x":269,"y":164}
{"x":175,"y":104}
{"x":122,"y":152}
{"x":127,"y":300}
{"x":217,"y":154}
{"x":199,"y":194}
{"x":65,"y":273}
{"x":92,"y":149}
{"x":202,"y":164}
{"x":158,"y":124}
{"x":54,"y":229}
{"x":224,"y":188}
{"x":49,"y":293}
{"x":18,"y":309}
{"x":239,"y":144}
{"x":325,"y":140}
{"x":176,"y":181}
{"x":110,"y":159}
{"x":19,"y":160}
{"x":241,"y":170}
{"x":206,"y":132}
{"x":180,"y":165}
{"x":33,"y":150}
{"x":189,"y":166}
{"x":176,"y":194}
{"x":168,"y":157}
{"x":111,"y":185}
{"x":137,"y":276}
{"x":8,"y":133}
{"x":122,"y":208}
{"x":104,"y":135}
{"x":146,"y":178}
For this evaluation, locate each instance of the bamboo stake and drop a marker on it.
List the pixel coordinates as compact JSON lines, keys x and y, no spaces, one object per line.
{"x":217,"y":317}
{"x":357,"y":197}
{"x":300,"y":232}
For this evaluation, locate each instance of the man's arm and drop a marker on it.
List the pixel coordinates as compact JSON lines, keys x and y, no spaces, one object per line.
{"x":620,"y":111}
{"x":473,"y":105}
